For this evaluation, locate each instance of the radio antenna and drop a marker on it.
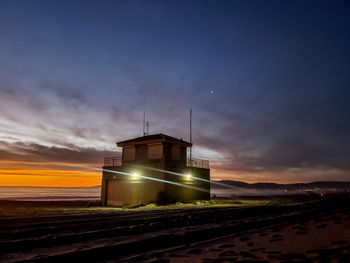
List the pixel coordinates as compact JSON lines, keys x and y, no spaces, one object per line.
{"x":144,"y":118}
{"x":191,"y":133}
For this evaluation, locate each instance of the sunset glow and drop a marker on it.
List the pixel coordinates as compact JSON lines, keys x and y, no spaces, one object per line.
{"x":268,"y":84}
{"x":14,"y":173}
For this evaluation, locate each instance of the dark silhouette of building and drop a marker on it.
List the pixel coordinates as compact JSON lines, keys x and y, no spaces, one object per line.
{"x":150,"y":156}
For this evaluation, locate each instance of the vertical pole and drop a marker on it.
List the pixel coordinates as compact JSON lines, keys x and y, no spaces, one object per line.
{"x":144,"y":118}
{"x":147,"y":131}
{"x":190,"y":134}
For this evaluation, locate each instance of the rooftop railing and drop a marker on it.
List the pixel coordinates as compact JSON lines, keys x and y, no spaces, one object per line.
{"x":113,"y":161}
{"x":199,"y":163}
{"x":190,"y":162}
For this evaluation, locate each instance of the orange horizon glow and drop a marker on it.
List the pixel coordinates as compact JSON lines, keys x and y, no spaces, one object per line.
{"x":18,"y":173}
{"x":55,"y":174}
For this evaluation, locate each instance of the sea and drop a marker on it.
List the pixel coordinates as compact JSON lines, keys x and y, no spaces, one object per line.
{"x":31,"y":193}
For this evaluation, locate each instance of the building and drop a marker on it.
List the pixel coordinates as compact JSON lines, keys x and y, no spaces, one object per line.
{"x":124,"y":179}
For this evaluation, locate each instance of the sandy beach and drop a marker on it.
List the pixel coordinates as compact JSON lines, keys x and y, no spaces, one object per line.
{"x":323,"y":239}
{"x":273,"y":229}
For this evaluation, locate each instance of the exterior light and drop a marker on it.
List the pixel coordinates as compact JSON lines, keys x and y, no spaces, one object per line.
{"x":135,"y":175}
{"x":188,"y":176}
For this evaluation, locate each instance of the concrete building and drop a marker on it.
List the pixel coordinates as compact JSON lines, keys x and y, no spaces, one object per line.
{"x":142,"y":157}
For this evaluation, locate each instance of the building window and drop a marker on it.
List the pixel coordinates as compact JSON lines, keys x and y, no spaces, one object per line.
{"x":155,"y":151}
{"x":129,"y":154}
{"x":175,"y":152}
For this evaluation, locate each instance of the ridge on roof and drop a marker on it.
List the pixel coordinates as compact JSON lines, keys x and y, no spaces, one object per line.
{"x":159,"y":136}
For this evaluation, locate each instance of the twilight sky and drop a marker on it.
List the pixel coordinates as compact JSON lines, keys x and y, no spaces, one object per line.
{"x":268,"y":82}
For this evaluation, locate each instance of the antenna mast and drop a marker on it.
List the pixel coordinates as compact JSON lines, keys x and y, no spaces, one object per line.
{"x":191,"y":133}
{"x":144,"y":118}
{"x":147,"y":124}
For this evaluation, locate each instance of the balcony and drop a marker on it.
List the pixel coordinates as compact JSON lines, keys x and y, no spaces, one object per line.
{"x":198,"y":163}
{"x":112,"y":161}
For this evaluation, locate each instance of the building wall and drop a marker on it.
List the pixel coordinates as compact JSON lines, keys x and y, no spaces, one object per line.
{"x":129,"y":153}
{"x":155,"y":151}
{"x":184,"y":193}
{"x":123,"y":193}
{"x":121,"y":190}
{"x":141,"y":152}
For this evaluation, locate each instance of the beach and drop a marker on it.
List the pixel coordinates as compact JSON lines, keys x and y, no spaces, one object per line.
{"x":266,"y":229}
{"x":323,"y":239}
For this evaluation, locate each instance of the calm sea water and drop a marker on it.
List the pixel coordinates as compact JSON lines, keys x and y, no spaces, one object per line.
{"x":92,"y":193}
{"x":49,"y":193}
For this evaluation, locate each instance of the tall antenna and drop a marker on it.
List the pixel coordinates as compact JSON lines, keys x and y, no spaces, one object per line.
{"x":144,"y":118}
{"x":147,"y":124}
{"x":191,"y":133}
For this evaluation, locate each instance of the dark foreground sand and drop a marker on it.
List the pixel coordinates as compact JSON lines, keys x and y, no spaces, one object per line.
{"x":312,"y":229}
{"x":326,"y":239}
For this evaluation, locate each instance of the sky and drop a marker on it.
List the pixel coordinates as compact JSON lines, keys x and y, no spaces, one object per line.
{"x":268,"y":82}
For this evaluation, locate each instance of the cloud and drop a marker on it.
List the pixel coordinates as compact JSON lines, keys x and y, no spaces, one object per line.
{"x":309,"y":132}
{"x":33,"y":152}
{"x":69,"y":90}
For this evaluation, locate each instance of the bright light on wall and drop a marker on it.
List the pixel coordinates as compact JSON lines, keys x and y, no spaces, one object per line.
{"x":188,"y":177}
{"x":135,"y":175}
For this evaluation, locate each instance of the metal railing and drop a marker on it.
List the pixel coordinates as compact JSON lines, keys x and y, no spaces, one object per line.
{"x":113,"y":161}
{"x":199,"y":163}
{"x":190,"y":162}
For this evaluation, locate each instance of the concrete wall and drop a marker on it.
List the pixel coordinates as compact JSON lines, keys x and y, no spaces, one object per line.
{"x":121,"y":190}
{"x":122,"y":193}
{"x":187,"y":194}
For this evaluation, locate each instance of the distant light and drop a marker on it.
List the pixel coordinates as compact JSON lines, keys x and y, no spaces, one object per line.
{"x":188,"y":176}
{"x":135,"y":175}
{"x":211,"y":92}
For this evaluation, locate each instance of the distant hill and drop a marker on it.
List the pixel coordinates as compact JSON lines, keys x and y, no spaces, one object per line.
{"x":289,"y":187}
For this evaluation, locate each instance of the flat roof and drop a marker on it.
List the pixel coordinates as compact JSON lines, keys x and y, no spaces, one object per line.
{"x":153,"y":138}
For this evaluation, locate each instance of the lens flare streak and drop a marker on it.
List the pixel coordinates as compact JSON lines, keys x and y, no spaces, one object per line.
{"x":187,"y":177}
{"x":146,"y":177}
